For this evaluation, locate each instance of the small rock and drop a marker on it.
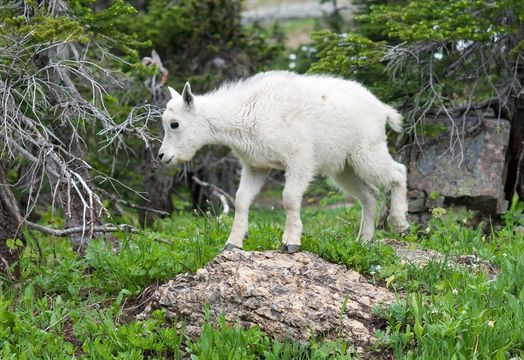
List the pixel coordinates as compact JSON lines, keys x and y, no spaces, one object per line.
{"x":411,"y":254}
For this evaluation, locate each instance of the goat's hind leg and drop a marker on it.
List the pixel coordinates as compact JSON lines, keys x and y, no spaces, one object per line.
{"x":398,"y":205}
{"x":366,"y":194}
{"x":378,"y":168}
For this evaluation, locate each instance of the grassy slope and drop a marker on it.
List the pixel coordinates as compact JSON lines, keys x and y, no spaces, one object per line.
{"x":64,"y":307}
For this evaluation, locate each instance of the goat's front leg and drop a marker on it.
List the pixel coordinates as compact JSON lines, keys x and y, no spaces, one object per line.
{"x":297,"y":181}
{"x":251,"y":182}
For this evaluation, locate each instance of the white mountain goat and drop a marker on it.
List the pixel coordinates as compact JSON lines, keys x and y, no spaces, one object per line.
{"x":301,"y":124}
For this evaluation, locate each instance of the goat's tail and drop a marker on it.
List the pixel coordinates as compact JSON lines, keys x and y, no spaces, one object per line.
{"x":394,"y":119}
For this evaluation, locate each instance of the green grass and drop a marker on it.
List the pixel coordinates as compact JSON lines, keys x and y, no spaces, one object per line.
{"x":66,"y":307}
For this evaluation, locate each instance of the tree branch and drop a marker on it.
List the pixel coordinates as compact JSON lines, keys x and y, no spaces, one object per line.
{"x":222,"y":195}
{"x":107,"y":228}
{"x":129,"y":204}
{"x":492,"y":101}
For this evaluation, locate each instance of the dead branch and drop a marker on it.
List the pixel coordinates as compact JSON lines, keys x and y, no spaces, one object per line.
{"x":156,"y":84}
{"x":107,"y":228}
{"x":222,"y":195}
{"x":155,"y":60}
{"x":54,"y":89}
{"x":7,"y":197}
{"x":464,"y":108}
{"x":129,"y":204}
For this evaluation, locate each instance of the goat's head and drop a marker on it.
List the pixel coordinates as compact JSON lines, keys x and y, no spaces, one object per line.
{"x":184,"y":130}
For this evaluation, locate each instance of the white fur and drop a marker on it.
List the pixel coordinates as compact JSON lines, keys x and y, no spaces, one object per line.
{"x":302,"y":124}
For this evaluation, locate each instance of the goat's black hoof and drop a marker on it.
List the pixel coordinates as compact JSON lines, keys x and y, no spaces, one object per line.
{"x":290,"y":249}
{"x":230,"y":247}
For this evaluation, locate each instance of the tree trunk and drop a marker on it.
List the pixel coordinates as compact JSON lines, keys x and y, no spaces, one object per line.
{"x":199,"y":195}
{"x":9,"y":224}
{"x":158,"y":187}
{"x":515,"y":178}
{"x":219,"y":168}
{"x":515,"y":182}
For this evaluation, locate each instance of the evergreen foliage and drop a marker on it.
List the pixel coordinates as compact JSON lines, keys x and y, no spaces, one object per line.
{"x":71,"y":22}
{"x":428,"y":46}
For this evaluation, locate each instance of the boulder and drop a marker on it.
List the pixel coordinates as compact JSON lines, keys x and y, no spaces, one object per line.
{"x":287,"y":296}
{"x":459,"y":163}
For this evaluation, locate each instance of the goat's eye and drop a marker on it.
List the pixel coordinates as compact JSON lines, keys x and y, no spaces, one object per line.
{"x":174,"y":125}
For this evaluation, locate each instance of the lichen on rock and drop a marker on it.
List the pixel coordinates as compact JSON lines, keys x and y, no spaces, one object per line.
{"x":287,"y":296}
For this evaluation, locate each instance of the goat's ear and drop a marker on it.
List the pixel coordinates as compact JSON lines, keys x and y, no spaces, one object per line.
{"x":187,"y":95}
{"x":173,"y":92}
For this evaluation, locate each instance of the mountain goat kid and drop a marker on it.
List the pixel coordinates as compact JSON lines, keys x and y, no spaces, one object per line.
{"x":301,"y":124}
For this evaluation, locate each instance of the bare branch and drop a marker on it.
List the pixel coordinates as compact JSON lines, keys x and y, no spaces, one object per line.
{"x":466,"y":107}
{"x":156,"y":61}
{"x":108,"y":228}
{"x":129,"y":204}
{"x":222,"y":195}
{"x":39,"y":101}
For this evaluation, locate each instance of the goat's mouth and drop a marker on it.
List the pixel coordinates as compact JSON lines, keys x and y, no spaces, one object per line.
{"x":174,"y":160}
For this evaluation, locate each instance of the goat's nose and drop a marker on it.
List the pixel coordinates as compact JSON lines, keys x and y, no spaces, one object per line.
{"x":161,"y":155}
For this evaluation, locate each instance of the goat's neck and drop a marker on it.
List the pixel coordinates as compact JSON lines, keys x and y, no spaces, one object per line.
{"x":225,"y":121}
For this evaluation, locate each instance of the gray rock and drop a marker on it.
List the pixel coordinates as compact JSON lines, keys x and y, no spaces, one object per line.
{"x":460,"y":170}
{"x":287,"y":296}
{"x":410,"y":253}
{"x":417,"y":201}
